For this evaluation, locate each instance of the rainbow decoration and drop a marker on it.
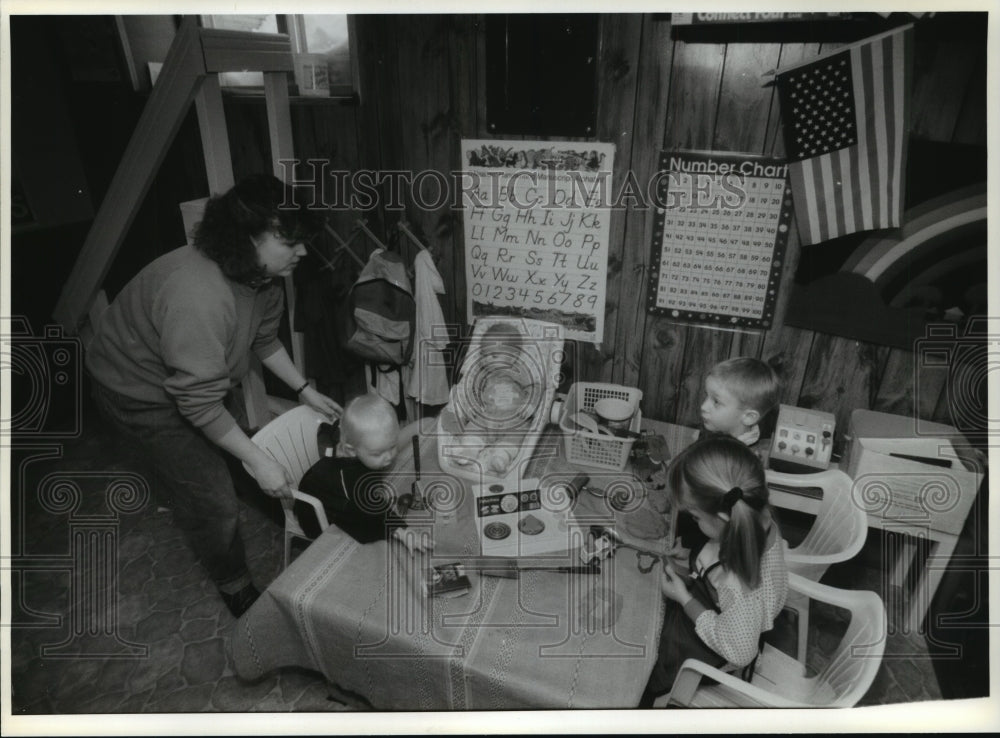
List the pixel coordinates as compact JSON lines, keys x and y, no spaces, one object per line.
{"x":867,"y":298}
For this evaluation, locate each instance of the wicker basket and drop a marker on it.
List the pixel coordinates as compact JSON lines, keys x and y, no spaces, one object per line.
{"x":598,"y":449}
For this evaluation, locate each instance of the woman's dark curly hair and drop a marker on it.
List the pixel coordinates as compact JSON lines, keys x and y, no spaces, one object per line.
{"x":259,"y":203}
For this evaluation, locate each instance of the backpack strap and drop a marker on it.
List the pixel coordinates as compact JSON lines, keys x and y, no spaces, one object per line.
{"x":747,"y":672}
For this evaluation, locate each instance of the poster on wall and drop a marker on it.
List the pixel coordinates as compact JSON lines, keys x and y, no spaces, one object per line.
{"x":537,"y":218}
{"x":719,"y":239}
{"x":697,"y":19}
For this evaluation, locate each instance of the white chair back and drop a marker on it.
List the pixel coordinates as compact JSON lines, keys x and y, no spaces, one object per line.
{"x":852,"y":667}
{"x":841,"y":525}
{"x":779,"y":680}
{"x":290,"y":439}
{"x":837,"y":535}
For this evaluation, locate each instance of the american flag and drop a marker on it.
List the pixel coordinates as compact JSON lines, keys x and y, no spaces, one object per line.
{"x":846,"y":120}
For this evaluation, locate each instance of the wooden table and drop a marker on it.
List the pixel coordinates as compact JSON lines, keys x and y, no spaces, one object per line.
{"x":359,"y":615}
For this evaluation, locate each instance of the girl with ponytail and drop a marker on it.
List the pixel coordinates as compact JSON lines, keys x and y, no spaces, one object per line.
{"x":738,"y":580}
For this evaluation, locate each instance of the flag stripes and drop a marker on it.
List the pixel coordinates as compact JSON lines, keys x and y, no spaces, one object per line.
{"x":858,"y":186}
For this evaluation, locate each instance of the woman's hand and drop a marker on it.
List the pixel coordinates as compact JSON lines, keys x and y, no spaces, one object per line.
{"x":672,"y":585}
{"x":274,"y":479}
{"x":321,"y":403}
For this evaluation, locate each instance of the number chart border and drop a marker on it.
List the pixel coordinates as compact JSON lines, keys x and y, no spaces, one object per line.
{"x":717,"y":165}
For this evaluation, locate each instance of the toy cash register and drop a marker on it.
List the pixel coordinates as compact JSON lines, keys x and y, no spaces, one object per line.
{"x":803,"y":440}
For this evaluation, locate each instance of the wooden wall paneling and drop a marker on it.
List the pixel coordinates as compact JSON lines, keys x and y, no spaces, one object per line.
{"x":930,"y":388}
{"x":617,"y":77}
{"x":740,"y":126}
{"x":747,"y":343}
{"x":461,"y":34}
{"x":653,"y":88}
{"x":941,"y":76}
{"x":745,"y":105}
{"x":785,"y":347}
{"x":906,"y":388}
{"x":377,"y":91}
{"x":468,"y":63}
{"x":696,"y":78}
{"x":942,"y":412}
{"x":842,"y":374}
{"x":428,"y":134}
{"x":481,"y":130}
{"x":329,"y":134}
{"x":970,"y":128}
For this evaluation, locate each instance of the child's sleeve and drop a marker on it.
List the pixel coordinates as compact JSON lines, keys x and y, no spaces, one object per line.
{"x":735,"y":632}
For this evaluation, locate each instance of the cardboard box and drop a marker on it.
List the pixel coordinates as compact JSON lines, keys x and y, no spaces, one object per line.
{"x":917,"y":480}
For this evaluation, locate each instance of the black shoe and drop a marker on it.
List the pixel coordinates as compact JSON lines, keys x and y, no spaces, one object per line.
{"x":239,"y":602}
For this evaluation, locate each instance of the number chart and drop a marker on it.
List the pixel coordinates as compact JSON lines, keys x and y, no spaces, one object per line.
{"x":718,"y":246}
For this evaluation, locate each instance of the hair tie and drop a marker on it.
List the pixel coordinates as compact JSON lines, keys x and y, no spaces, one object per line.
{"x":730,"y":498}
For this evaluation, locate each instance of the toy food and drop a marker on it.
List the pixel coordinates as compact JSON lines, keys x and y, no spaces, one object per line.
{"x":495,"y":459}
{"x":463,"y":450}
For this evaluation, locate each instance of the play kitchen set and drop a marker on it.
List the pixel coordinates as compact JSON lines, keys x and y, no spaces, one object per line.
{"x":500,"y":406}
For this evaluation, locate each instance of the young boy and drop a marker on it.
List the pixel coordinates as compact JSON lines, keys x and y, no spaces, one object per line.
{"x":350,"y":484}
{"x":739,"y":393}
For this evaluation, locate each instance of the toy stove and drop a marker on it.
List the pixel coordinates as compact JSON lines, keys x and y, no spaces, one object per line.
{"x":520,"y":519}
{"x":803,"y":440}
{"x":488,"y":432}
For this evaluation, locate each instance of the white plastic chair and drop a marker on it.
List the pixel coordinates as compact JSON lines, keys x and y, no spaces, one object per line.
{"x":290,"y":439}
{"x":838,"y":534}
{"x":779,"y":680}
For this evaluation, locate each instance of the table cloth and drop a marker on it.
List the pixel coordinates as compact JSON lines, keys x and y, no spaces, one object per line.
{"x":360,"y":615}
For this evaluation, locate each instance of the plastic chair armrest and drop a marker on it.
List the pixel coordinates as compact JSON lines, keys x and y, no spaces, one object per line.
{"x":316,"y":506}
{"x":818,"y":559}
{"x":693,"y":671}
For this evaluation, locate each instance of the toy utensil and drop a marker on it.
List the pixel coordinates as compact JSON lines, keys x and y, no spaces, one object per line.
{"x":587,"y":423}
{"x":418,"y":502}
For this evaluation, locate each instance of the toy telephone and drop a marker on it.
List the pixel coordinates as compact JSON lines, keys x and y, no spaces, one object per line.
{"x":803,"y":440}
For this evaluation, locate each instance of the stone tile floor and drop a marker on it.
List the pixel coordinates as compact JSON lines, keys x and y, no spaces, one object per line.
{"x":152,"y":639}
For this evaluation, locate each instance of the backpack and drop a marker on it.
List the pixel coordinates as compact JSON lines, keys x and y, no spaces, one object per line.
{"x":381,"y":311}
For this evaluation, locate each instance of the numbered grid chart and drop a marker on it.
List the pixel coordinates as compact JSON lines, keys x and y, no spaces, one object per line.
{"x":719,"y":260}
{"x":720,"y":263}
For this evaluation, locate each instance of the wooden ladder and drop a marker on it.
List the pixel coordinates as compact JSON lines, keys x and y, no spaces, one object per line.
{"x":190,"y":72}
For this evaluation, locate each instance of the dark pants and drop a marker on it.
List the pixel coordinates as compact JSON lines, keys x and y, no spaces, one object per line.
{"x":678,"y":641}
{"x":192,"y":479}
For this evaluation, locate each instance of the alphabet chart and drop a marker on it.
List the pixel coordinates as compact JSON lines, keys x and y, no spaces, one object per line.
{"x":537,"y":220}
{"x":718,"y":246}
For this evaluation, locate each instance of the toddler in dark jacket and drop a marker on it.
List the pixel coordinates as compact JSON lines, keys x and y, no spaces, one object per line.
{"x":352,"y":483}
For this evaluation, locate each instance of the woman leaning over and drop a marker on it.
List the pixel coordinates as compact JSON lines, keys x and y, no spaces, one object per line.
{"x":169,"y":351}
